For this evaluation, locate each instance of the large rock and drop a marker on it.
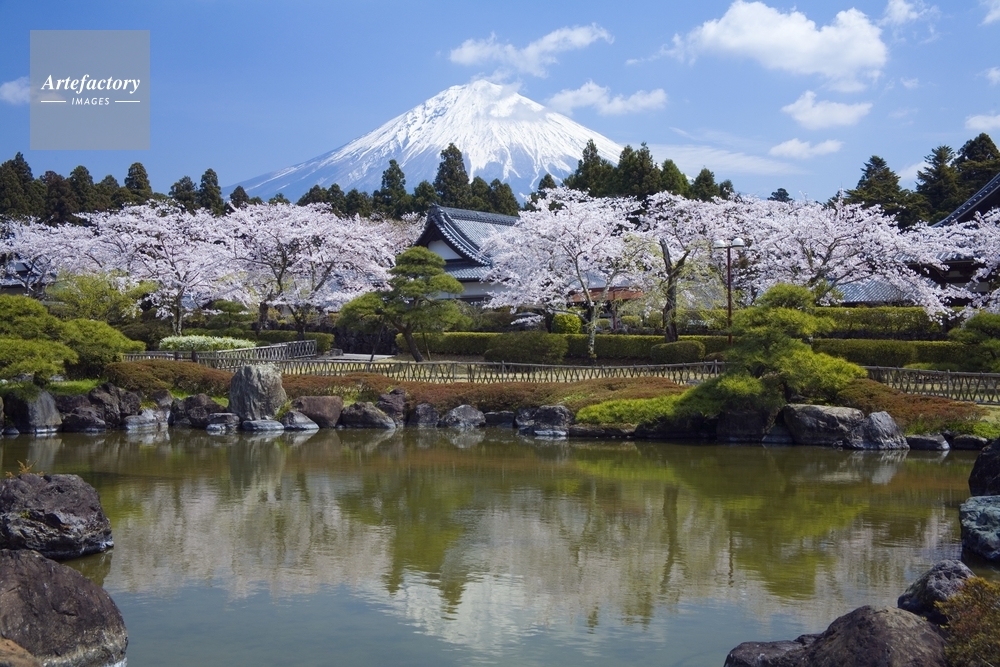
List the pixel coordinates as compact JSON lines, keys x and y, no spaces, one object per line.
{"x":980,"y":519}
{"x":324,"y":410}
{"x":600,"y":431}
{"x":501,"y":419}
{"x":194,"y":411}
{"x":688,"y":427}
{"x":256,"y":392}
{"x":968,"y":443}
{"x":262,"y":426}
{"x":928,"y":442}
{"x":59,"y":516}
{"x":67,"y":404}
{"x":878,"y":431}
{"x":938,"y":584}
{"x":985,"y":477}
{"x":423,"y":416}
{"x":769,"y":654}
{"x":148,"y":419}
{"x":549,"y":421}
{"x":876,"y":637}
{"x":744,"y":426}
{"x":114,"y":404}
{"x":222,"y":422}
{"x":394,"y":405}
{"x":822,"y":425}
{"x":294,"y":420}
{"x":33,"y":414}
{"x":365,"y":415}
{"x":83,"y":420}
{"x":58,"y":615}
{"x":464,"y":416}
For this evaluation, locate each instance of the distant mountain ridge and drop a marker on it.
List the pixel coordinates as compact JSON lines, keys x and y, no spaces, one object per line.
{"x":501,"y":135}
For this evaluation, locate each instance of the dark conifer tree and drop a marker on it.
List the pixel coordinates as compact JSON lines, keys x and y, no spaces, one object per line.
{"x":672,"y":180}
{"x":137,"y":183}
{"x":185,"y":193}
{"x":358,"y":203}
{"x":594,"y":175}
{"x":781,"y":194}
{"x":547,"y":183}
{"x":61,"y":206}
{"x":316,"y":195}
{"x":636,"y":175}
{"x":337,"y":199}
{"x":452,"y":181}
{"x":502,"y":199}
{"x":978,"y":161}
{"x":392,"y":199}
{"x":278,"y":199}
{"x":937,"y":184}
{"x":20,"y":193}
{"x":239,"y":197}
{"x":480,"y":199}
{"x":726,"y":189}
{"x":704,"y":187}
{"x":880,"y":185}
{"x":210,"y":194}
{"x":424,"y":196}
{"x":83,"y":187}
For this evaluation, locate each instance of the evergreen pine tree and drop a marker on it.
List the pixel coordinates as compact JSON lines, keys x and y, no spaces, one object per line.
{"x":502,"y":199}
{"x":316,"y":195}
{"x":358,"y":203}
{"x":546,"y":183}
{"x":704,"y":186}
{"x":82,"y":184}
{"x":672,"y":180}
{"x":20,"y":193}
{"x":392,"y":199}
{"x":938,"y":184}
{"x":452,"y":181}
{"x":594,"y":175}
{"x":781,"y":194}
{"x":978,"y":161}
{"x":185,"y":193}
{"x":60,"y":202}
{"x":278,"y":199}
{"x":636,"y":175}
{"x":424,"y":196}
{"x":480,"y":199}
{"x":137,"y":183}
{"x":880,"y":185}
{"x":210,"y":194}
{"x":239,"y":197}
{"x":106,"y":193}
{"x":726,"y":189}
{"x":337,"y":199}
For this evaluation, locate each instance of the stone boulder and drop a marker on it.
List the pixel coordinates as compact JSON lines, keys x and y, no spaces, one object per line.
{"x":551,"y":421}
{"x":83,"y":420}
{"x":423,"y":416}
{"x":33,"y":414}
{"x":821,"y":425}
{"x":256,"y":392}
{"x":148,"y":419}
{"x":262,"y":426}
{"x":194,"y":411}
{"x":599,"y":431}
{"x":57,"y":615}
{"x":524,"y":418}
{"x":324,"y":410}
{"x":502,"y":419}
{"x":59,"y":516}
{"x":985,"y":477}
{"x":980,"y":519}
{"x":162,"y":398}
{"x":67,"y":404}
{"x":968,"y":443}
{"x":222,"y":422}
{"x":778,"y":435}
{"x":769,"y":654}
{"x":394,"y":405}
{"x":464,"y":416}
{"x":114,"y":404}
{"x":294,"y":420}
{"x":365,"y":415}
{"x":744,"y":426}
{"x":928,"y":442}
{"x":938,"y":584}
{"x":688,"y":427}
{"x":878,"y":431}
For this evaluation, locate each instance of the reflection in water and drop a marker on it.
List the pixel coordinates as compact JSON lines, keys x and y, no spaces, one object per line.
{"x":484,"y":540}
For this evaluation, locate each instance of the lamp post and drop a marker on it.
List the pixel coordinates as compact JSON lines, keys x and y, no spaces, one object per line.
{"x":722,"y":244}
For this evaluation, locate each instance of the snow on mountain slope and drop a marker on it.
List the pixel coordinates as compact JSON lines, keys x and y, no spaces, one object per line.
{"x":501,"y":135}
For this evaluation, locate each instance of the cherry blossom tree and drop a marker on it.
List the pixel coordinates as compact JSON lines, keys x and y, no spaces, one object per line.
{"x":36,"y":252}
{"x":977,"y":240}
{"x":570,"y":251}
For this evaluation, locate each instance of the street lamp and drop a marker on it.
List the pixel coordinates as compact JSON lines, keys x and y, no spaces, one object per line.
{"x":721,"y":244}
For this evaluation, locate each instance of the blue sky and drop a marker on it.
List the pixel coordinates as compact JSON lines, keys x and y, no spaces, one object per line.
{"x":767,"y":94}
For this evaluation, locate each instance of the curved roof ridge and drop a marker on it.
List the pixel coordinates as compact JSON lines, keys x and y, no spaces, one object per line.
{"x":992,"y":186}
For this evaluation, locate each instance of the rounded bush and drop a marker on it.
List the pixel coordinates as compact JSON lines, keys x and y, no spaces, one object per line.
{"x":527,"y":347}
{"x":566,"y":323}
{"x":96,"y":344}
{"x":680,"y":352}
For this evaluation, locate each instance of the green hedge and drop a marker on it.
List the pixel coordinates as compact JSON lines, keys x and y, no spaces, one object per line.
{"x":713,"y":344}
{"x":527,"y":347}
{"x":874,"y":352}
{"x":468,"y":343}
{"x":681,"y":352}
{"x":883,"y":322}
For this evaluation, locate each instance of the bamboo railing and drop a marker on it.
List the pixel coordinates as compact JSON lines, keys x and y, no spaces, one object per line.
{"x":981,"y":388}
{"x":229,"y":359}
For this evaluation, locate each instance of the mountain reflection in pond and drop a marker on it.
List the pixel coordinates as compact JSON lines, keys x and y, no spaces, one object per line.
{"x":433,"y":547}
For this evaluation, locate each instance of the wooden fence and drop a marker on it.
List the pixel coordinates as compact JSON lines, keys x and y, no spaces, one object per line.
{"x":229,"y":359}
{"x":981,"y":388}
{"x":488,"y":373}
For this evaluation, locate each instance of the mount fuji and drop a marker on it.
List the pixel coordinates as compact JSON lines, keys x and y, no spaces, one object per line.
{"x":501,"y":135}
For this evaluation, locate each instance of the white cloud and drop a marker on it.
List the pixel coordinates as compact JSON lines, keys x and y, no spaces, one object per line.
{"x":592,"y":95}
{"x":533,"y":58}
{"x":993,"y":74}
{"x":900,"y":12}
{"x":17,"y":91}
{"x":908,"y":174}
{"x":982,"y":123}
{"x":910,"y":84}
{"x":815,"y":115}
{"x":845,"y":51}
{"x":802,"y":150}
{"x":691,"y":158}
{"x":992,"y":11}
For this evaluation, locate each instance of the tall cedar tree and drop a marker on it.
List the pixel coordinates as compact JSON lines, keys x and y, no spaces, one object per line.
{"x":978,"y":161}
{"x":424,"y":196}
{"x":239,"y":197}
{"x":337,"y":199}
{"x":210,"y":194}
{"x":880,"y":185}
{"x":20,"y":194}
{"x":452,"y":180}
{"x":502,"y":199}
{"x":358,"y":203}
{"x":937,"y":184}
{"x":392,"y":199}
{"x":781,"y":194}
{"x":137,"y":183}
{"x":637,"y":174}
{"x":594,"y":175}
{"x":82,"y":184}
{"x":480,"y":199}
{"x":704,"y":186}
{"x":316,"y":195}
{"x":60,"y":202}
{"x":185,"y":193}
{"x":672,"y":180}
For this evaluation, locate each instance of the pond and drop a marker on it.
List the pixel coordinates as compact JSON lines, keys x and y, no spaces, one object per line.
{"x":426,"y":547}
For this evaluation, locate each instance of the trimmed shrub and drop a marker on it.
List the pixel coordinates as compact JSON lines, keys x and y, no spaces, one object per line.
{"x":96,"y":345}
{"x":628,"y":411}
{"x":909,"y":323}
{"x":182,"y":376}
{"x":613,"y":346}
{"x":681,"y":352}
{"x":913,"y":413}
{"x":464,"y":343}
{"x":324,"y":341}
{"x":41,"y":358}
{"x":566,"y":323}
{"x":204,"y":343}
{"x":817,"y":375}
{"x":896,"y":353}
{"x":973,"y":638}
{"x":630,"y":322}
{"x":956,"y":356}
{"x":527,"y":347}
{"x":713,"y":344}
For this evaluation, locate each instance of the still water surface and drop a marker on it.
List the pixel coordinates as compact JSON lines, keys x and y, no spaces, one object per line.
{"x":442,"y":548}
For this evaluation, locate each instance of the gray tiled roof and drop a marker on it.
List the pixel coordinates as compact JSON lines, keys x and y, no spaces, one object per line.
{"x":874,"y":292}
{"x":988,"y":197}
{"x":467,"y":271}
{"x":468,"y":230}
